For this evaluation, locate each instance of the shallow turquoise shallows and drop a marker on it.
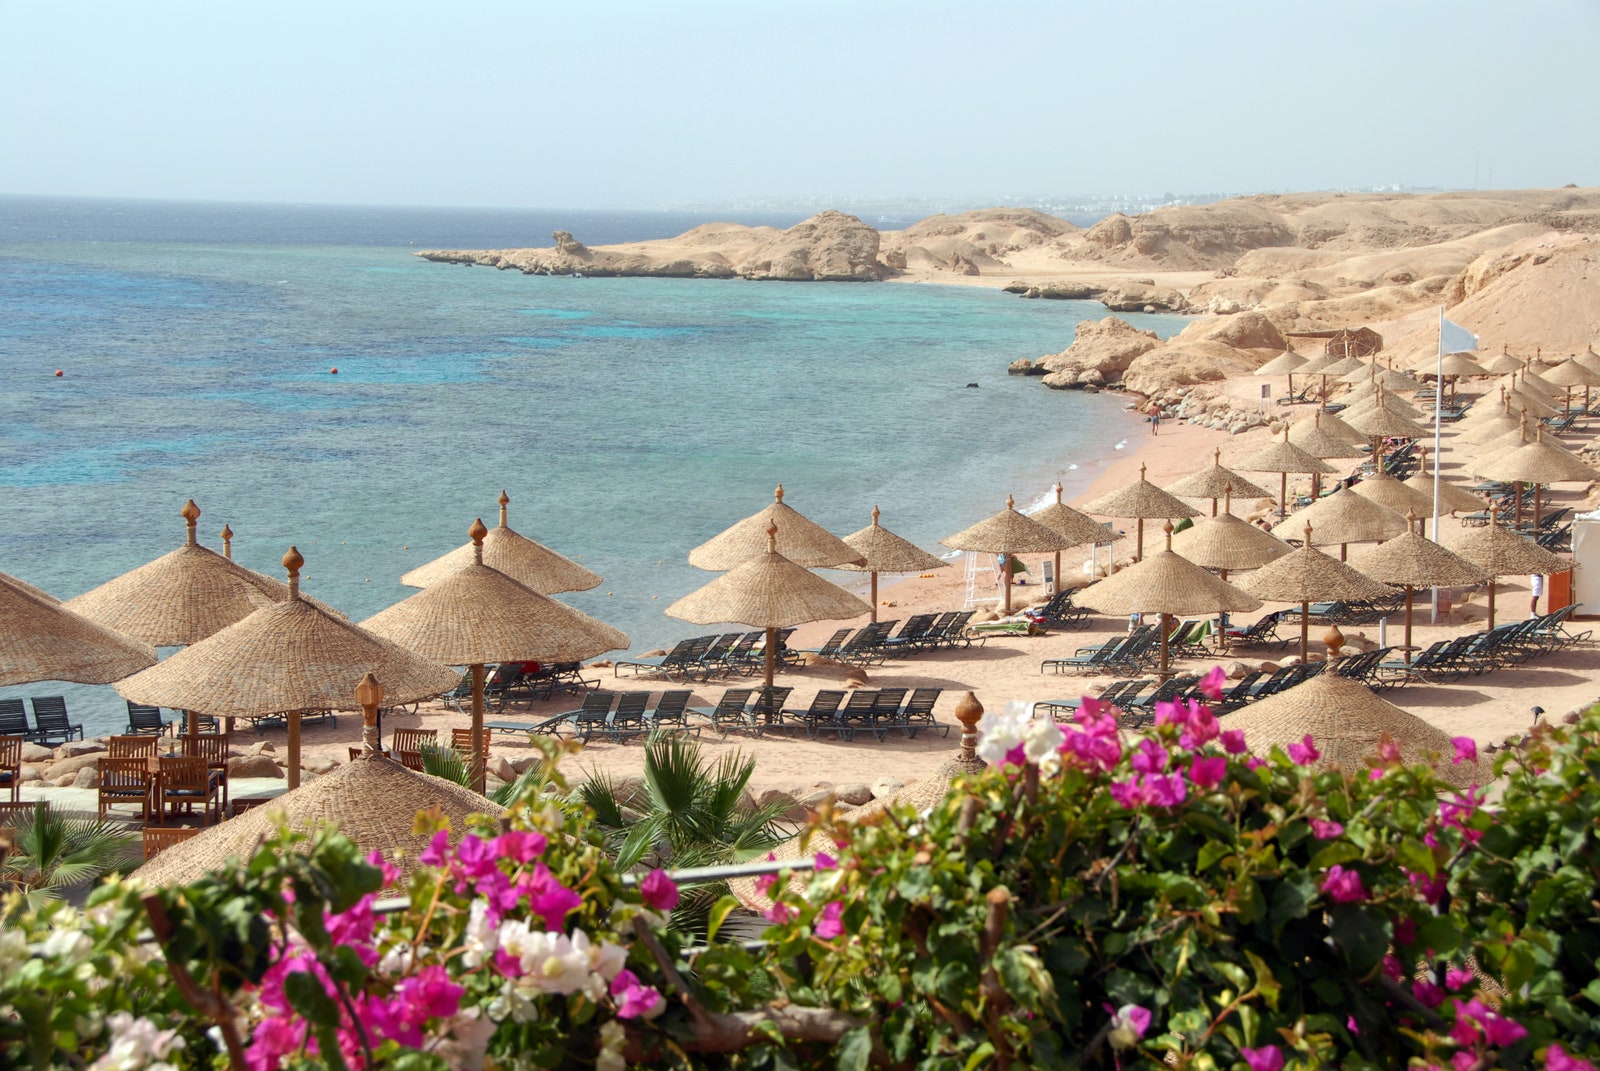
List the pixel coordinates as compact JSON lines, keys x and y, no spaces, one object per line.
{"x":629,"y":419}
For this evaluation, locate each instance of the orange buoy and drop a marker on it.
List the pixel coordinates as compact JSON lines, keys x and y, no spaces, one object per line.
{"x":333,"y":371}
{"x":58,"y":373}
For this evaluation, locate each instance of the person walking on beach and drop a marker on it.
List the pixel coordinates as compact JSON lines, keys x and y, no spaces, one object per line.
{"x":1536,"y":586}
{"x":1155,"y":420}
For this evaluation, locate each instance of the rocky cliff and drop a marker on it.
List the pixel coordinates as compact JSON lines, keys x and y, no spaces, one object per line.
{"x":830,"y":246}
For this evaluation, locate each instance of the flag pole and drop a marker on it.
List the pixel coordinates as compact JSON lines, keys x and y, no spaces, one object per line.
{"x":1438,"y":426}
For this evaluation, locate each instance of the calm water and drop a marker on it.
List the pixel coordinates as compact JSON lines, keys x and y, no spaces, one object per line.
{"x":629,"y":419}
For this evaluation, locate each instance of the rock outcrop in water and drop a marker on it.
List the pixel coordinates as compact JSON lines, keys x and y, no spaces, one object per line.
{"x":828,"y":247}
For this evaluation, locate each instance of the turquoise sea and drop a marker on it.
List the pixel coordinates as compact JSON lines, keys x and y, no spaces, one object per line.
{"x":629,"y":419}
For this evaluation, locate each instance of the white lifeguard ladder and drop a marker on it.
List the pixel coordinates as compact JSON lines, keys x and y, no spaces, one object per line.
{"x":973,"y":598}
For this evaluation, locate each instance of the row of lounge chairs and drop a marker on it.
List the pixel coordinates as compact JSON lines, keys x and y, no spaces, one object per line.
{"x":876,"y":643}
{"x":1139,"y":649}
{"x":1139,"y":707}
{"x":1482,"y":652}
{"x":622,"y":716}
{"x":703,"y":657}
{"x":51,"y":724}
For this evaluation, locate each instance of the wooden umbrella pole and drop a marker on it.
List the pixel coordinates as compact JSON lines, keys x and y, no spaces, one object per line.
{"x":1006,"y":568}
{"x":1283,"y":494}
{"x":771,"y":653}
{"x":1163,"y":673}
{"x":1409,"y":592}
{"x":1305,"y":630}
{"x":1057,"y":573}
{"x":1538,"y":505}
{"x":1344,"y":552}
{"x":1222,"y":622}
{"x":479,"y":764}
{"x":1491,"y":604}
{"x":1138,"y":550}
{"x":874,"y":596}
{"x":1213,"y":507}
{"x":1516,"y":491}
{"x":293,"y":756}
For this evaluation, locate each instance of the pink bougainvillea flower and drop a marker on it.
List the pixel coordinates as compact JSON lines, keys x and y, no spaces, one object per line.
{"x":1253,"y":763}
{"x":390,"y":874}
{"x":507,"y":964}
{"x":1388,"y":750}
{"x":779,"y":913}
{"x":828,"y":924}
{"x":437,"y":853}
{"x":765,"y":882}
{"x":1463,"y":1061}
{"x":430,"y":993}
{"x":1326,"y":829}
{"x":548,"y":898}
{"x":1405,"y":931}
{"x":1233,"y":741}
{"x":1456,"y":977}
{"x":635,"y":1000}
{"x":1392,"y":968}
{"x":1266,"y":1058}
{"x":1431,"y":889}
{"x":1344,"y":886}
{"x":659,"y":890}
{"x":826,"y":862}
{"x":1207,"y":773}
{"x":1558,"y":1059}
{"x":1150,"y":756}
{"x":1428,"y":994}
{"x":1466,"y":749}
{"x":1168,"y":791}
{"x":1305,"y":752}
{"x":1211,"y":684}
{"x":1129,"y":793}
{"x":1128,"y":1025}
{"x":477,"y":857}
{"x":520,"y":847}
{"x":1351,"y":1025}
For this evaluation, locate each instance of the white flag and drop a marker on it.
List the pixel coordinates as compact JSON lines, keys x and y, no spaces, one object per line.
{"x":1453,"y":338}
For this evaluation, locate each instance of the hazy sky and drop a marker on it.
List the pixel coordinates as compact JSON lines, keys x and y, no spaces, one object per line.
{"x":576,"y":103}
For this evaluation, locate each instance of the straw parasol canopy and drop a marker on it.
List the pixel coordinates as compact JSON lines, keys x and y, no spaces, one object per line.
{"x":1227,"y":542}
{"x":1503,"y":553}
{"x":1490,"y":427}
{"x":1343,"y":517}
{"x":1347,"y":721}
{"x":1286,"y":363}
{"x":1283,"y":457}
{"x":803,"y":542}
{"x":1319,"y":364}
{"x":1538,"y":463}
{"x":770,"y":592}
{"x":1310,"y":436}
{"x":42,"y":640}
{"x":1502,"y":363}
{"x":1380,"y":399}
{"x":1165,"y":583}
{"x":1532,"y":403}
{"x":1009,"y":532}
{"x":1394,"y":494}
{"x":373,"y":800}
{"x":1412,"y":561}
{"x":478,"y":615}
{"x":1533,"y":383}
{"x":181,"y":597}
{"x":1142,"y":501}
{"x":38,"y":593}
{"x":1454,"y":364}
{"x":1571,"y":373}
{"x":1068,"y":523}
{"x":1214,"y":482}
{"x":885,"y":552}
{"x":1306,"y":575}
{"x":504,"y":549}
{"x":286,"y":658}
{"x":1344,"y":366}
{"x":1452,"y":496}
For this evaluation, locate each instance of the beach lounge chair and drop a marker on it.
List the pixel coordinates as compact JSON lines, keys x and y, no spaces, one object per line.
{"x":551,"y":726}
{"x":592,"y":714}
{"x":830,"y":648}
{"x":50,"y":722}
{"x":1262,"y":633}
{"x":1060,"y":613}
{"x":145,"y":719}
{"x":917,"y":714}
{"x":11,"y":765}
{"x":1236,"y":696}
{"x":911,"y":635}
{"x":671,"y":710}
{"x":820,"y":715}
{"x":886,"y":707}
{"x":1086,"y":659}
{"x":14,"y":719}
{"x":684,"y":653}
{"x":767,"y":711}
{"x":866,"y":647}
{"x":627,"y":719}
{"x":729,"y":715}
{"x":857,"y":716}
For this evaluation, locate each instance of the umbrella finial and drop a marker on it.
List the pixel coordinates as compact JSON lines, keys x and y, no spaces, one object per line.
{"x":1141,"y":472}
{"x":191,"y":517}
{"x":505,"y":500}
{"x":1316,"y":419}
{"x":227,"y":542}
{"x":477,"y":532}
{"x":1308,"y":536}
{"x":772,"y":536}
{"x":292,"y":561}
{"x":1011,"y":503}
{"x":1411,"y":521}
{"x":369,"y":696}
{"x":777,"y":495}
{"x":1168,"y":530}
{"x":1227,"y":499}
{"x":1216,"y":457}
{"x":1058,"y":492}
{"x":876,"y":513}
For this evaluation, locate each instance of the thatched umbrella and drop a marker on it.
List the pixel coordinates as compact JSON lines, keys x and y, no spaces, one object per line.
{"x":1538,"y":463}
{"x":1344,"y":366}
{"x":1452,"y":367}
{"x":1452,"y":496}
{"x":373,"y":800}
{"x":1213,"y":482}
{"x":1347,"y":722}
{"x":1343,"y":517}
{"x":1490,"y":426}
{"x":1532,"y":403}
{"x":181,"y":597}
{"x":514,"y":554}
{"x":1382,"y":422}
{"x":1226,"y":542}
{"x":770,"y":592}
{"x":1536,"y":384}
{"x":885,"y":552}
{"x":1412,"y":561}
{"x":1502,"y":363}
{"x":38,"y":593}
{"x":1284,"y":364}
{"x":1309,"y":436}
{"x":1165,"y":583}
{"x":1283,"y":457}
{"x":1394,"y":494}
{"x":1009,"y":532}
{"x":1376,"y":397}
{"x":286,"y":658}
{"x":1502,"y":553}
{"x":1069,"y":524}
{"x":1142,"y":501}
{"x":1569,"y":374}
{"x":478,"y":615}
{"x":42,"y":640}
{"x":1308,"y":575}
{"x":802,"y":541}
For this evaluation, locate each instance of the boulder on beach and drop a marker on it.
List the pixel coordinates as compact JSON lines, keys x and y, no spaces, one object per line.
{"x":1104,"y":347}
